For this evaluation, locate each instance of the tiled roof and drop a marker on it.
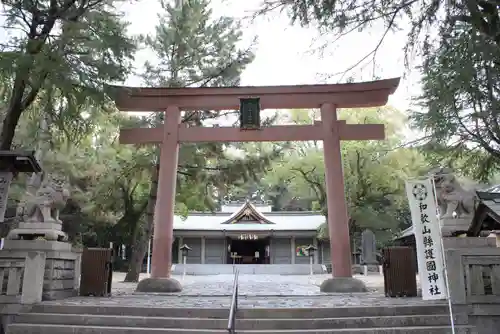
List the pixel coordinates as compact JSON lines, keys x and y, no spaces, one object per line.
{"x":494,"y":189}
{"x":491,"y":199}
{"x":247,"y":209}
{"x":281,"y":221}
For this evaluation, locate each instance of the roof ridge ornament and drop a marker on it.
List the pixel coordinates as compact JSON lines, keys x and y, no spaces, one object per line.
{"x":247,"y":210}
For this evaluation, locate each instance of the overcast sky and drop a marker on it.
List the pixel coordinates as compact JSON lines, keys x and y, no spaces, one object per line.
{"x":286,"y":54}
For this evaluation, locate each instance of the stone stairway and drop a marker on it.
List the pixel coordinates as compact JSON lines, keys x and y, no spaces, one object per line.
{"x":95,"y":319}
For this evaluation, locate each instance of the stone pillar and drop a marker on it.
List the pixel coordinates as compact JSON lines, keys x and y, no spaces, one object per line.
{"x":316,"y":255}
{"x":338,"y":220}
{"x":292,"y":249}
{"x":161,"y":261}
{"x":33,"y":279}
{"x":179,"y":253}
{"x":202,"y":250}
{"x":271,"y":241}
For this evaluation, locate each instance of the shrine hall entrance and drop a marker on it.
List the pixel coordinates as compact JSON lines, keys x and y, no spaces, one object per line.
{"x":248,"y":251}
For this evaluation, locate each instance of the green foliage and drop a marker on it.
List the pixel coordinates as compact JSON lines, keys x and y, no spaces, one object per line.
{"x":342,"y":17}
{"x":195,"y":49}
{"x":460,"y":102}
{"x":76,"y":47}
{"x":374,"y":175}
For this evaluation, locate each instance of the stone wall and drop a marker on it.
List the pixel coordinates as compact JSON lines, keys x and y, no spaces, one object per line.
{"x":473,"y":266}
{"x":62,"y":265}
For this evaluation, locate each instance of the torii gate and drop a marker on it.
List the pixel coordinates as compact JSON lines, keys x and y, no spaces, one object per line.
{"x":330,"y":130}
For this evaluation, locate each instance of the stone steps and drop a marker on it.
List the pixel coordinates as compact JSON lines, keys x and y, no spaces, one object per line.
{"x":242,"y":324}
{"x":90,"y":319}
{"x":57,"y":329}
{"x":243,"y":313}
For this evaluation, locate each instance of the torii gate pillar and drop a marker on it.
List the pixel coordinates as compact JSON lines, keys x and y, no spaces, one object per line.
{"x":337,"y":219}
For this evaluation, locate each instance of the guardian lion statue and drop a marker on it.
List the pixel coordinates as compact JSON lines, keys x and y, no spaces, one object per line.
{"x":453,"y":200}
{"x":44,"y":205}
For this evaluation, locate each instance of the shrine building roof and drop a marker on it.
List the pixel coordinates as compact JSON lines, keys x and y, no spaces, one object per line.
{"x":249,"y":217}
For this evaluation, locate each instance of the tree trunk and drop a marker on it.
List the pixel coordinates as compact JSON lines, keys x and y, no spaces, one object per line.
{"x":20,"y":99}
{"x":140,"y":244}
{"x":12,"y":114}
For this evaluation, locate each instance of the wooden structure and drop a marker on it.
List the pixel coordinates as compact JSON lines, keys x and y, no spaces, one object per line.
{"x":96,"y":275}
{"x":172,"y":101}
{"x":400,"y":270}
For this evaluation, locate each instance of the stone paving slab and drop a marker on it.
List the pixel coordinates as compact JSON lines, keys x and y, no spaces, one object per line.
{"x":329,"y":301}
{"x":255,"y":291}
{"x":250,"y":285}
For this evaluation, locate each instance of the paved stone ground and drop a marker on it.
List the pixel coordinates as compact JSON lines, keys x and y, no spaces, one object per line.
{"x":341,"y":300}
{"x":250,"y":285}
{"x":256,"y":291}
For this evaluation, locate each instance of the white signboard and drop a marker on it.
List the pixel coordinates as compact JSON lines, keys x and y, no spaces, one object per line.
{"x":5,"y":180}
{"x":428,"y":239}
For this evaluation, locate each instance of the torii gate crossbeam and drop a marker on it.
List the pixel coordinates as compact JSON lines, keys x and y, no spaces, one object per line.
{"x":172,"y":101}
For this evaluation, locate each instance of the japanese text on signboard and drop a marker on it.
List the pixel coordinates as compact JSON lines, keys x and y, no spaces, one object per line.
{"x":427,"y":236}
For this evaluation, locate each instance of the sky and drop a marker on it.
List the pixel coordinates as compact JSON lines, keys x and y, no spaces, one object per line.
{"x":287,"y":55}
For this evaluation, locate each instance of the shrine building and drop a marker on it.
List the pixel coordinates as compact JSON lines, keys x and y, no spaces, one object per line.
{"x":250,"y":233}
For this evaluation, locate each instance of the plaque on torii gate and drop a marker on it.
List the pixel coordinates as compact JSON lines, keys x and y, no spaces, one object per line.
{"x":172,"y":101}
{"x":250,"y":113}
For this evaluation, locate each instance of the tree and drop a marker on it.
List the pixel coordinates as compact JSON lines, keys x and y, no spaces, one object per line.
{"x":342,"y":17}
{"x":195,"y":49}
{"x":70,"y":147}
{"x":460,"y":103}
{"x":75,"y":46}
{"x":374,"y":174}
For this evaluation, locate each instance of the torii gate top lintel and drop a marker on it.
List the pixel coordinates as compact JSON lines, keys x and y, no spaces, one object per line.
{"x":349,"y":95}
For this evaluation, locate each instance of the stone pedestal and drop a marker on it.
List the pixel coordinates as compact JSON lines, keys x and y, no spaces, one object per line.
{"x":159,"y":285}
{"x":467,"y":243}
{"x":32,"y":230}
{"x":62,"y":266}
{"x":343,"y":285}
{"x":453,"y":225}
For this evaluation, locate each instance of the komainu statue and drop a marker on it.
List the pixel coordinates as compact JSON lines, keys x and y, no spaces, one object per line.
{"x":44,"y":204}
{"x":45,"y":197}
{"x":453,"y":200}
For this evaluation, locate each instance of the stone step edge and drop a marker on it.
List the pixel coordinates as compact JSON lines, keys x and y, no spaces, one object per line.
{"x":245,"y":309}
{"x":108,"y":316}
{"x":350,"y":330}
{"x":96,"y":329}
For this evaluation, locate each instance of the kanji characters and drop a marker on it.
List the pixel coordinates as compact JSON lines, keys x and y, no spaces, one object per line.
{"x":431,"y":265}
{"x":429,"y":254}
{"x":434,"y":290}
{"x":426,"y":230}
{"x":428,"y":242}
{"x":422,"y":207}
{"x":433,"y":277}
